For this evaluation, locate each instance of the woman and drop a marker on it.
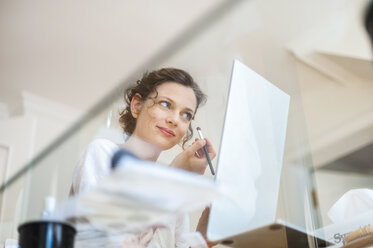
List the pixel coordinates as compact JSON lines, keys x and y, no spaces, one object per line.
{"x":160,"y":108}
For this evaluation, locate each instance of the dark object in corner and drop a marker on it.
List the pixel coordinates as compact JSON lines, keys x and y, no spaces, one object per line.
{"x":368,"y":20}
{"x":46,"y":234}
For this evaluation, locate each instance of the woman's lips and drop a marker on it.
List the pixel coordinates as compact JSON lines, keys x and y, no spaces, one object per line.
{"x":167,"y":131}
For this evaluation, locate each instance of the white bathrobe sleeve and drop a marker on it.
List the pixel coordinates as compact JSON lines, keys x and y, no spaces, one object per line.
{"x":93,"y":165}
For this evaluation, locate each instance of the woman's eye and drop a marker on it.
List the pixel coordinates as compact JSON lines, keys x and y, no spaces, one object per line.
{"x":164,"y":104}
{"x":188,"y":116}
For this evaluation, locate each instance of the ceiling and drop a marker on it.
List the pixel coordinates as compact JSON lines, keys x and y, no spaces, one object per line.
{"x":66,"y":50}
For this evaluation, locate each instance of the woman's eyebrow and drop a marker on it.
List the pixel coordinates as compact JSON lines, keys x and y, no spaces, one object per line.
{"x":172,"y":101}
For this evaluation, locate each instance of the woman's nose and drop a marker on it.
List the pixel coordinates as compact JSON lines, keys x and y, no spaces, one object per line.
{"x":173,"y":118}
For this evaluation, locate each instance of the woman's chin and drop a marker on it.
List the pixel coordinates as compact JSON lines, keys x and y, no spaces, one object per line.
{"x":164,"y":145}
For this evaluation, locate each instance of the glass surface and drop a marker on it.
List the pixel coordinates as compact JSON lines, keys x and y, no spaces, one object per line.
{"x":234,"y":30}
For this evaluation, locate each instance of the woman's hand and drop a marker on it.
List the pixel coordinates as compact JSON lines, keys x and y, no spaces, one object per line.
{"x":193,"y":158}
{"x":202,"y":226}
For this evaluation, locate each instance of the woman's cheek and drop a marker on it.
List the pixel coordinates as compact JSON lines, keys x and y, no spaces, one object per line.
{"x":183,"y":130}
{"x":155,"y":113}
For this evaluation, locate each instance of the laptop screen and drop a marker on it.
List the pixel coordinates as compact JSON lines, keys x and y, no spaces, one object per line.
{"x":250,"y":156}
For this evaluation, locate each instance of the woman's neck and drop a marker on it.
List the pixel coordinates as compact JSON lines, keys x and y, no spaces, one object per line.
{"x":141,"y":148}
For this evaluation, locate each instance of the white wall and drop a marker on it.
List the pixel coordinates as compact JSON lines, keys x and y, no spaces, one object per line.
{"x":22,"y":137}
{"x":16,"y":139}
{"x":53,"y":118}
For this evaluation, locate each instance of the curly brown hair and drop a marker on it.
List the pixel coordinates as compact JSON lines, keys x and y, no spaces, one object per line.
{"x":148,"y":84}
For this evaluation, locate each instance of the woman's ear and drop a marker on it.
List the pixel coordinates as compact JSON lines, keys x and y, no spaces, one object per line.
{"x":136,"y":105}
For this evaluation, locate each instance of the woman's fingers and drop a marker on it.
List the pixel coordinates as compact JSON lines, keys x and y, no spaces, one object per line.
{"x":197,"y":145}
{"x":200,"y":153}
{"x":197,"y":154}
{"x":193,"y":158}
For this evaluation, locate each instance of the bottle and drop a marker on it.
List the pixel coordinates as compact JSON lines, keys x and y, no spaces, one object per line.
{"x":49,"y":206}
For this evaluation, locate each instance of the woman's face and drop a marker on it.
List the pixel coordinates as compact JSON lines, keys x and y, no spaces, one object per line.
{"x":164,"y":119}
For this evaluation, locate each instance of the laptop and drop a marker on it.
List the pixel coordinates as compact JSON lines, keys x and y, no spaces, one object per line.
{"x":249,"y":167}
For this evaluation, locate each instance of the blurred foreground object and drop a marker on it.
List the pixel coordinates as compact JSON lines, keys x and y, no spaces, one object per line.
{"x":46,"y":234}
{"x":363,"y":234}
{"x":352,"y":204}
{"x":352,"y":215}
{"x":135,"y":196}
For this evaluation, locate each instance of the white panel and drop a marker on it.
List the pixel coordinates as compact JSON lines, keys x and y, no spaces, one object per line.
{"x":250,"y":156}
